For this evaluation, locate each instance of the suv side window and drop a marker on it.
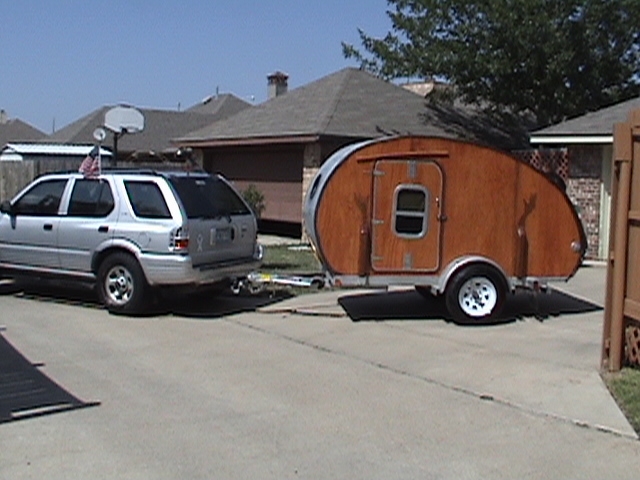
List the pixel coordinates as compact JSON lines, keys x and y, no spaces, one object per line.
{"x":91,"y":198}
{"x":42,"y":199}
{"x":207,"y":197}
{"x":146,"y":199}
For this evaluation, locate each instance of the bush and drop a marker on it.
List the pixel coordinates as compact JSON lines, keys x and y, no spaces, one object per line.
{"x":255,"y":199}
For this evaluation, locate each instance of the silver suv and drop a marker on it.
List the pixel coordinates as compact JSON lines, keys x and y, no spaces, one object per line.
{"x":130,"y":231}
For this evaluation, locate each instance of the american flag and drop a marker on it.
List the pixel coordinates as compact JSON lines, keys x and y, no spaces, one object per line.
{"x":90,"y":166}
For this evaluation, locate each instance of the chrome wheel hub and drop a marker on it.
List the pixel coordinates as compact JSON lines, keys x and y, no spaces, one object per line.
{"x":478,"y":297}
{"x":119,"y":285}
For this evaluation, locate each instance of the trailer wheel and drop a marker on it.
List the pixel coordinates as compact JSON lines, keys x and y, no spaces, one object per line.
{"x":475,"y":295}
{"x":122,"y":286}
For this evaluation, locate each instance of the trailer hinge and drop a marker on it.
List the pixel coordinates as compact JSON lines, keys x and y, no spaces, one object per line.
{"x":378,"y":173}
{"x":413,"y":169}
{"x":408,"y":261}
{"x":377,"y":222}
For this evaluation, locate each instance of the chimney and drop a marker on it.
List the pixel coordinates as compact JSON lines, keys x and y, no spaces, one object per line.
{"x":4,"y":118}
{"x":277,"y":83}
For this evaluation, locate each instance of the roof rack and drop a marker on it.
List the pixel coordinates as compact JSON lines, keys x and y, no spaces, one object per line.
{"x":134,"y":171}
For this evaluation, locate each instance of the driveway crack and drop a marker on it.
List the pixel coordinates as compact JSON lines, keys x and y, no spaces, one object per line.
{"x":482,"y":396}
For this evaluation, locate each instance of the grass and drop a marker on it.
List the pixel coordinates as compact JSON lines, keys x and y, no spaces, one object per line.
{"x":625,"y":388}
{"x":290,"y":259}
{"x":293,"y":260}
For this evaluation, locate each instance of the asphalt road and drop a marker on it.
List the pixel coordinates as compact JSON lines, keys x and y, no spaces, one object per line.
{"x":211,"y":388}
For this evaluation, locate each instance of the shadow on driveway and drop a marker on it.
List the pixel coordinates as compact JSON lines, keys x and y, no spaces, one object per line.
{"x":376,"y":306}
{"x":220,"y":304}
{"x":410,"y":305}
{"x":199,"y":305}
{"x":26,"y":392}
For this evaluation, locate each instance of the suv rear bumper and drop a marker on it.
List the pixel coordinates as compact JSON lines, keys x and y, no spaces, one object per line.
{"x":179,"y":270}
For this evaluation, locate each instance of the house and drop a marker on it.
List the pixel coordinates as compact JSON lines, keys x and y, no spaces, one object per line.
{"x":153,"y":143}
{"x":589,"y":143}
{"x":15,"y":130}
{"x":279,"y":145}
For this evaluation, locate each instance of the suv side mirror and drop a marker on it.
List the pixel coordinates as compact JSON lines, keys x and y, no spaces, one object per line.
{"x":6,"y":207}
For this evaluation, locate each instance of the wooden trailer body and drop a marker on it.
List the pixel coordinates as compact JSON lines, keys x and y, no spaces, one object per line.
{"x":421,"y":210}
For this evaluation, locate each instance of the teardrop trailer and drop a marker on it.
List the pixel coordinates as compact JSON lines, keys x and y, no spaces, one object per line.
{"x":448,"y":217}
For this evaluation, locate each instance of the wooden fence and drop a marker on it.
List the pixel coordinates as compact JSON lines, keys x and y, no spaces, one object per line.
{"x":621,"y":329}
{"x":16,"y":175}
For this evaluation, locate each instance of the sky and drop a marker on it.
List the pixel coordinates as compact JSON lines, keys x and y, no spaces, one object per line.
{"x":62,"y":59}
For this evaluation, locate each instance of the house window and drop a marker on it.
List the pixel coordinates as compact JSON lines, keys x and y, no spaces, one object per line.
{"x":411,"y":211}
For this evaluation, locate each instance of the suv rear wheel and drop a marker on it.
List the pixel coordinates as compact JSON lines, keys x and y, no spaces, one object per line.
{"x":121,"y":284}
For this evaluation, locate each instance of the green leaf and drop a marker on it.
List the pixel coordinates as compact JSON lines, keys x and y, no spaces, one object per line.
{"x":543,"y":57}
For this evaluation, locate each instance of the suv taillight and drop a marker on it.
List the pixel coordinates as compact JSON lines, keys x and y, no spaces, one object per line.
{"x":179,"y":240}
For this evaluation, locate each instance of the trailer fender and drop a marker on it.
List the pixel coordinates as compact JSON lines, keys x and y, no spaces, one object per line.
{"x":463,"y":262}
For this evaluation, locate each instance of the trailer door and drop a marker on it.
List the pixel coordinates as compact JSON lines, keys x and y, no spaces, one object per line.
{"x":405,"y":228}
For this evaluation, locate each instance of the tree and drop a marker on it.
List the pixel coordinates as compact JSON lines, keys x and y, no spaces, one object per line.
{"x":553,"y":59}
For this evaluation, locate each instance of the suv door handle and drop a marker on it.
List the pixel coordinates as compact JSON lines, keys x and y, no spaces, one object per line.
{"x":48,"y":227}
{"x":103,"y":229}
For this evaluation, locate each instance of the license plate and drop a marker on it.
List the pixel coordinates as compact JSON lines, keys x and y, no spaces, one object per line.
{"x":220,"y":235}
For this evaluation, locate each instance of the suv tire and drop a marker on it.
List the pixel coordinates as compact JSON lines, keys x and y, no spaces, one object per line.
{"x":122,"y":286}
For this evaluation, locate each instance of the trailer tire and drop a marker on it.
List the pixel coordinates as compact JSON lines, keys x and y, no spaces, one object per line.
{"x":475,"y":295}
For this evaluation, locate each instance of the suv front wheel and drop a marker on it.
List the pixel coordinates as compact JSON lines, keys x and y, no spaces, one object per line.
{"x":121,"y":284}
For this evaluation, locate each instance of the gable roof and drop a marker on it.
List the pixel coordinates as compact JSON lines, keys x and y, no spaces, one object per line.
{"x":348,"y":103}
{"x":159,"y":125}
{"x":16,"y":130}
{"x":223,"y":105}
{"x":593,"y":127}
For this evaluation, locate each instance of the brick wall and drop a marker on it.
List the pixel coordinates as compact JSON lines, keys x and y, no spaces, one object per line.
{"x":583,"y":188}
{"x":585,"y":195}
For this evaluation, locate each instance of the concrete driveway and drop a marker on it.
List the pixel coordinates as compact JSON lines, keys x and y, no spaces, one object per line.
{"x":332,"y":385}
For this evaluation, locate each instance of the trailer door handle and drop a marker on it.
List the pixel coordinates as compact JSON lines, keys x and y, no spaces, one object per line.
{"x":103,"y":228}
{"x":48,"y":227}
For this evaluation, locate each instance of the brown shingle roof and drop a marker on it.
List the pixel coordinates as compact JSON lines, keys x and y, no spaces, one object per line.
{"x":16,"y":130}
{"x":159,"y":125}
{"x":350,"y":103}
{"x":598,"y":123}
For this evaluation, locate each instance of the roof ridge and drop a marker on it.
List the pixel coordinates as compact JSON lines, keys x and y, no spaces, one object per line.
{"x":77,"y":125}
{"x":333,"y":106}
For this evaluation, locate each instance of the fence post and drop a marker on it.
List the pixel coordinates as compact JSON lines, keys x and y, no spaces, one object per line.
{"x":613,"y":331}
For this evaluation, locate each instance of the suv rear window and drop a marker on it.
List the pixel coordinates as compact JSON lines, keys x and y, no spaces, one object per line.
{"x":208,"y":197}
{"x":146,"y":199}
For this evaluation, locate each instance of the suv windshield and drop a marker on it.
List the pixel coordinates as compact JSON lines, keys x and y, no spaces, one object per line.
{"x":207,"y":197}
